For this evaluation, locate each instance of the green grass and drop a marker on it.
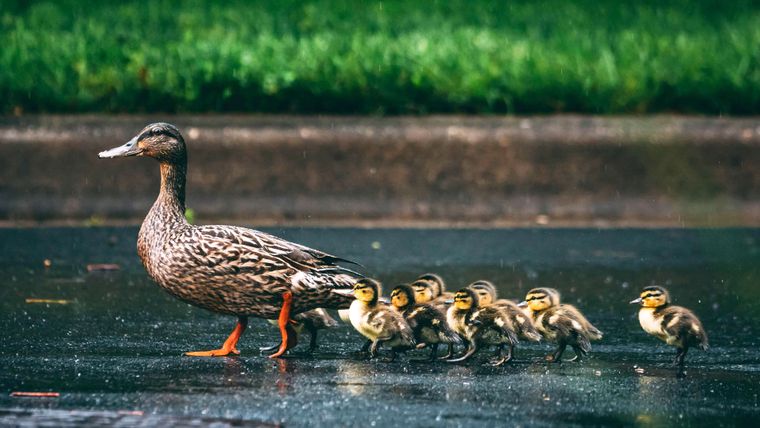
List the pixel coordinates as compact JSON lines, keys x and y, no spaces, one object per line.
{"x":389,"y":57}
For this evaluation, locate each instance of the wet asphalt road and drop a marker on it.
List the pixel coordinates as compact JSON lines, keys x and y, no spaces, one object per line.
{"x":114,"y":350}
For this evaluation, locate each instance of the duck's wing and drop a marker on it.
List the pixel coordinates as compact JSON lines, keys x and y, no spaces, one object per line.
{"x":593,"y":332}
{"x":681,"y":323}
{"x":236,"y":249}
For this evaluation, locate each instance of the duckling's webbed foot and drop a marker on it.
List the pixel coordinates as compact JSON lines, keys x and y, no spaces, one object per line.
{"x":229,"y":346}
{"x":430,"y":358}
{"x":579,"y":354}
{"x":272,"y":348}
{"x":390,"y":358}
{"x":470,"y":352}
{"x":373,"y":348}
{"x":556,"y":357}
{"x":313,"y":342}
{"x":449,"y":353}
{"x":680,"y":356}
{"x":498,"y":359}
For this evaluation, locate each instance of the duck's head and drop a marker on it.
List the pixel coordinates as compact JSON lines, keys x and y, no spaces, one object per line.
{"x":652,"y":297}
{"x":161,"y":141}
{"x":402,"y":297}
{"x":539,"y":299}
{"x":485,"y":290}
{"x":423,"y":290}
{"x":438,"y":287}
{"x":465,"y":299}
{"x":367,"y":290}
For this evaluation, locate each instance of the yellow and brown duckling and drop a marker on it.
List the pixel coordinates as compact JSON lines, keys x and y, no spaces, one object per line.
{"x":427,"y":322}
{"x":229,"y":270}
{"x":560,"y":323}
{"x":675,"y":325}
{"x":523,"y":323}
{"x":310,"y":321}
{"x":378,"y":322}
{"x":430,"y":288}
{"x":481,"y":326}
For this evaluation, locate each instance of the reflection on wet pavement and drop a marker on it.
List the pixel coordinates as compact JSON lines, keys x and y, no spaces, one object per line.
{"x":114,"y":349}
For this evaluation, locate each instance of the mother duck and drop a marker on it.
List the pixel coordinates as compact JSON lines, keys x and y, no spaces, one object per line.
{"x":227,"y":269}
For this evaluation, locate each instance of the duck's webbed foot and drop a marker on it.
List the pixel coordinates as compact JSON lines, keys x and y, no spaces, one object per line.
{"x":470,"y":352}
{"x":579,"y":354}
{"x":449,"y":353}
{"x":289,"y":335}
{"x":313,"y":345}
{"x":678,"y":361}
{"x":430,"y":358}
{"x":556,"y":357}
{"x":230,"y":345}
{"x":272,"y":348}
{"x":363,"y":353}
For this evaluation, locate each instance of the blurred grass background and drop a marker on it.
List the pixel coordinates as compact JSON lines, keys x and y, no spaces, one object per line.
{"x":389,"y":57}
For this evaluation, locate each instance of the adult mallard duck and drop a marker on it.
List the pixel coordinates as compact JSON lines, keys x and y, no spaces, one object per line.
{"x":227,"y":269}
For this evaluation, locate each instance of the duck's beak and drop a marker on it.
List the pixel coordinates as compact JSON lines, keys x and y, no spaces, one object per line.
{"x":448,"y":301}
{"x":635,"y":301}
{"x":129,"y":149}
{"x":523,"y":304}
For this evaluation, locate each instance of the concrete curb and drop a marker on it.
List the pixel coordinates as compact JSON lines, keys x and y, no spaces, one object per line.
{"x":557,"y":170}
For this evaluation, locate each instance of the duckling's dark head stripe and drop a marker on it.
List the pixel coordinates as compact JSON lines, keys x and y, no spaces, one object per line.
{"x":404,"y":289}
{"x":434,"y":278}
{"x":420,"y":284}
{"x":655,"y":291}
{"x":483,"y":285}
{"x":466,"y":293}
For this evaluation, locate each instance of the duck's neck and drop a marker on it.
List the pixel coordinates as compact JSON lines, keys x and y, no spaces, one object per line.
{"x":170,"y":204}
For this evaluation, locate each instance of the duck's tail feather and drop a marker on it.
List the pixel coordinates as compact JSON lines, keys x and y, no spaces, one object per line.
{"x":583,"y":343}
{"x":594,"y":333}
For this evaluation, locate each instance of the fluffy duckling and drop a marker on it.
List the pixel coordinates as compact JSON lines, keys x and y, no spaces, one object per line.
{"x":560,"y":323}
{"x":523,"y":323}
{"x":427,"y":322}
{"x":675,"y":325}
{"x":427,"y":289}
{"x":438,"y":286}
{"x":378,"y":322}
{"x":480,"y":326}
{"x":310,"y":321}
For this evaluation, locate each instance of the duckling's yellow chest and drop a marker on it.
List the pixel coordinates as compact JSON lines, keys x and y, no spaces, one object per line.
{"x":455,"y":319}
{"x":650,"y":323}
{"x":358,"y":314}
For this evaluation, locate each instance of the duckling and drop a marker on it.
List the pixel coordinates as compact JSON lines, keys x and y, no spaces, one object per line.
{"x":311,"y":321}
{"x":675,"y":325}
{"x":378,"y":322}
{"x":427,"y":322}
{"x":523,"y":323}
{"x":560,"y":323}
{"x":426,"y":291}
{"x":441,"y":297}
{"x":480,"y":326}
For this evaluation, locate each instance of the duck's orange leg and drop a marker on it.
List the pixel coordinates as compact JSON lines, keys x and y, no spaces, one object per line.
{"x":289,"y":336}
{"x":229,"y":344}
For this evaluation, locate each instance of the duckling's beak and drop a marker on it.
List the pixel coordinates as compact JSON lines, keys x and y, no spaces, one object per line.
{"x":635,"y":301}
{"x":448,"y":301}
{"x":523,"y":304}
{"x":129,"y":149}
